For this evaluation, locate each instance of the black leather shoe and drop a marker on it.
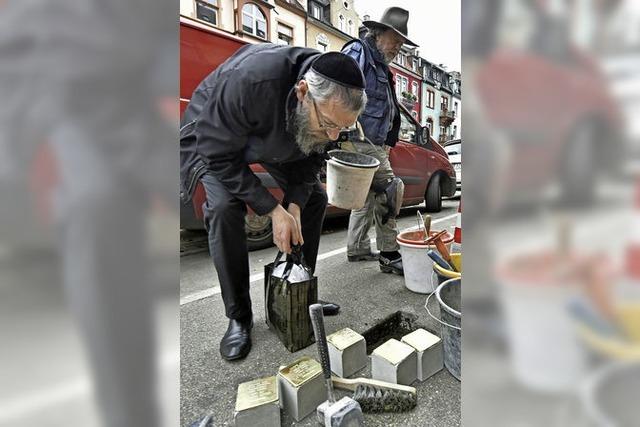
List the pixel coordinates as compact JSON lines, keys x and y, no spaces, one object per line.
{"x":329,"y":308}
{"x":371,"y":256}
{"x":391,"y":265}
{"x":236,"y":342}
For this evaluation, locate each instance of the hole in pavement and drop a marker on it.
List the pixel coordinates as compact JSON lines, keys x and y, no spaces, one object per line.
{"x":396,"y":325}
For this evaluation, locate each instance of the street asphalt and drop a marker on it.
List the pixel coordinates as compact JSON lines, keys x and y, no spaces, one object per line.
{"x":209,"y":384}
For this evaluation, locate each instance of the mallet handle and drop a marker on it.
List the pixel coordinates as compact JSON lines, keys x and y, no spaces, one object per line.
{"x":317,"y":320}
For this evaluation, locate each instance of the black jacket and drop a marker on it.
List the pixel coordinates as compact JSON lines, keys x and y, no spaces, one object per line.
{"x":242,"y":114}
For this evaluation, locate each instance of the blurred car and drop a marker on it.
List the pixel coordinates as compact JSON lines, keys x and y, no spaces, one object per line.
{"x":553,"y":104}
{"x":454,"y":151}
{"x":417,"y":159}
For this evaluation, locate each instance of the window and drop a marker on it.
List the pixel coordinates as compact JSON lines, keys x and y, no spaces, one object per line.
{"x":285,"y":35}
{"x":431,"y":99}
{"x":407,"y":129}
{"x":341,"y":24}
{"x":350,"y":27}
{"x":401,"y":85}
{"x":455,"y":107}
{"x":415,"y":65}
{"x":430,"y":125}
{"x":443,"y":131}
{"x":316,"y":11}
{"x":454,"y":133}
{"x":444,"y":103}
{"x":401,"y":59}
{"x":207,"y":11}
{"x":454,"y":149}
{"x":414,"y":88}
{"x":253,"y":21}
{"x":322,"y":42}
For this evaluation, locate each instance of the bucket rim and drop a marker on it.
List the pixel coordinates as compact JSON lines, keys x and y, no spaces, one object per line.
{"x":420,"y":243}
{"x":444,"y":306}
{"x":375,"y":164}
{"x":590,"y":387}
{"x":448,"y":273}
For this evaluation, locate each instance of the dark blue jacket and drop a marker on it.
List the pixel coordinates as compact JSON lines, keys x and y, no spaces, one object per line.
{"x":379,"y":80}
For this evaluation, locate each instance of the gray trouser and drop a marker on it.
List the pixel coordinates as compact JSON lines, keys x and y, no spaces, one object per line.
{"x":373,"y":210}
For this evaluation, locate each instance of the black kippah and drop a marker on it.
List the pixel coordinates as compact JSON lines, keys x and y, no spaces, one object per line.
{"x":339,"y":68}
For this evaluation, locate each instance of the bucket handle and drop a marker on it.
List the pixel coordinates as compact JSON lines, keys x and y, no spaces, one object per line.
{"x":426,"y":306}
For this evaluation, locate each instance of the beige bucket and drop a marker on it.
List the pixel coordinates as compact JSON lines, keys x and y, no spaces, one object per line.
{"x":349,"y":177}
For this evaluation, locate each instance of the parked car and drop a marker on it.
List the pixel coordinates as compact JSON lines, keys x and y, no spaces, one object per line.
{"x":417,"y":158}
{"x":454,"y":151}
{"x":554,"y":106}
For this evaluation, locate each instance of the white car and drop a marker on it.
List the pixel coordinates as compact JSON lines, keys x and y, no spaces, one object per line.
{"x":454,"y":151}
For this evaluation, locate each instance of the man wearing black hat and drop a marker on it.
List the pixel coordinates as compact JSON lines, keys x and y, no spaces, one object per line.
{"x":277,"y":106}
{"x":381,"y":124}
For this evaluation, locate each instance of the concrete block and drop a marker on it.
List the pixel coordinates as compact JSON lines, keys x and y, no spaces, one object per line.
{"x":302,"y":387}
{"x":394,"y":362}
{"x":347,"y":352}
{"x":430,"y":357}
{"x":258,"y":404}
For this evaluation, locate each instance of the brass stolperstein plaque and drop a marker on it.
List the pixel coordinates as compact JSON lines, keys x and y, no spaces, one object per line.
{"x":257,"y":392}
{"x":301,"y":371}
{"x":344,"y":338}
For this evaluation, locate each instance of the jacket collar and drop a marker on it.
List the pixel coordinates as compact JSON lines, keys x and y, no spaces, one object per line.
{"x":376,"y":56}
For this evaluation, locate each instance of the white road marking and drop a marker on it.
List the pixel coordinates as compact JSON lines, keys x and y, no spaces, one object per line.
{"x":215,"y":290}
{"x":25,"y":405}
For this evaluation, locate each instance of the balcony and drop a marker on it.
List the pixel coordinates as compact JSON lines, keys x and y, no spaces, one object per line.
{"x":447,"y":117}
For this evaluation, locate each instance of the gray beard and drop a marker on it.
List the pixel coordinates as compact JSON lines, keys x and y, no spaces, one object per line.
{"x":387,"y":60}
{"x":306,"y":141}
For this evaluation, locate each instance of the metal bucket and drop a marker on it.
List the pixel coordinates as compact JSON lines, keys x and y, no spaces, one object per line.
{"x":449,"y":296}
{"x":609,"y":396}
{"x":349,"y":178}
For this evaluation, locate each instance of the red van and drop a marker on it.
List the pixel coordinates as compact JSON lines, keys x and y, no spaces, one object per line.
{"x":417,"y":159}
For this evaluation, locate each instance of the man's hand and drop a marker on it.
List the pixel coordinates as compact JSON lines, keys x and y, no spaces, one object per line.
{"x":294,"y":210}
{"x":285,"y":229}
{"x":387,"y":149}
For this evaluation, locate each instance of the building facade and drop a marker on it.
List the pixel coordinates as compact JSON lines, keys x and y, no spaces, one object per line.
{"x":442,"y":101}
{"x":331,"y":24}
{"x":290,"y":23}
{"x":455,"y":83}
{"x":430,"y":93}
{"x":274,"y":21}
{"x":408,"y":81}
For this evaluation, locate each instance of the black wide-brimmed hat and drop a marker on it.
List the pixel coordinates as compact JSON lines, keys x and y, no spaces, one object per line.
{"x":394,"y":18}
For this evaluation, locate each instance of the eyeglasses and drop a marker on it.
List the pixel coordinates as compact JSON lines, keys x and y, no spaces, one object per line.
{"x":321,"y":122}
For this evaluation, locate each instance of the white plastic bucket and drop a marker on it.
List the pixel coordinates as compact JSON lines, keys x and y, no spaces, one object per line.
{"x":349,"y":177}
{"x":416,"y":263}
{"x":546,"y":354}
